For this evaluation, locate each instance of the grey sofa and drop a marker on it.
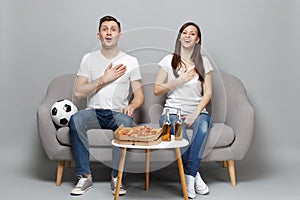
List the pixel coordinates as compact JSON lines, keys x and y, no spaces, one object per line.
{"x":229,"y":138}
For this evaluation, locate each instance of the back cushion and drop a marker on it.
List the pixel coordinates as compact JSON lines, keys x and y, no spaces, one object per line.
{"x":153,"y":105}
{"x":62,"y":88}
{"x":217,"y":106}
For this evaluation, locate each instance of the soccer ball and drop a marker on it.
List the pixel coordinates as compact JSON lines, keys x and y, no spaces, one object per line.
{"x":61,"y":112}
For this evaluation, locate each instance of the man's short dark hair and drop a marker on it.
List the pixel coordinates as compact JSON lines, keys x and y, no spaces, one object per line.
{"x":109,"y":18}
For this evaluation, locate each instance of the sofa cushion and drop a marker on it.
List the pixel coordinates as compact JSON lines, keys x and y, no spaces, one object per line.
{"x":62,"y":136}
{"x":97,"y":137}
{"x":220,"y":135}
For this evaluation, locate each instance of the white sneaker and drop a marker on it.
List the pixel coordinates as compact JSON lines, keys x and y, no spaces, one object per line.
{"x":113,"y":186}
{"x":200,"y":186}
{"x":190,"y":186}
{"x":83,"y":184}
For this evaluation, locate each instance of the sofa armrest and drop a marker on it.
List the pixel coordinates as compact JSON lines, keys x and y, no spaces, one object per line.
{"x":240,"y":117}
{"x":47,"y":131}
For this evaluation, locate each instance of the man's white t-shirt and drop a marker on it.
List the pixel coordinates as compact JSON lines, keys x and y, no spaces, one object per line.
{"x":188,"y":95}
{"x":114,"y":95}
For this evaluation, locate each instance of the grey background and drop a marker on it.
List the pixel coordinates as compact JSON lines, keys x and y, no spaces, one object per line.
{"x":258,"y":41}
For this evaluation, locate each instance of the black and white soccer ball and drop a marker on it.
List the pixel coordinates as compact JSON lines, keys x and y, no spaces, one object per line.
{"x":61,"y":112}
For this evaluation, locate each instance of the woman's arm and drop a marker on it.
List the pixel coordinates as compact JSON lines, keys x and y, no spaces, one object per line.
{"x":207,"y":93}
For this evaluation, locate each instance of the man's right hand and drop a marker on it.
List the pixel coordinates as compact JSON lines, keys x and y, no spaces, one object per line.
{"x":112,"y":73}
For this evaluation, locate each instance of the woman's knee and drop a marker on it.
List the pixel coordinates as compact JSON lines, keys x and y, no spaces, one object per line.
{"x":202,"y":125}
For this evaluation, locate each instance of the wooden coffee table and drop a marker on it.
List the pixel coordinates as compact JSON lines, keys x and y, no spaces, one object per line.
{"x":173,"y":144}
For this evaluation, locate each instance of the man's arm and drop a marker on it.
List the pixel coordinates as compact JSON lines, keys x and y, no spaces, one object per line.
{"x":138,"y":98}
{"x":83,"y":88}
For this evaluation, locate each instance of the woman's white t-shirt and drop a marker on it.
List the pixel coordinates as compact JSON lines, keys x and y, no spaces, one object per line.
{"x":114,"y":95}
{"x":188,"y":95}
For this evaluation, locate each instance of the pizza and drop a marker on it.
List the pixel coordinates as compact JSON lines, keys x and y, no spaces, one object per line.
{"x":139,"y":131}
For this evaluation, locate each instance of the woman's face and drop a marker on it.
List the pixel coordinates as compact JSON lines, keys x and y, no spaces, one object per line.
{"x":189,"y":37}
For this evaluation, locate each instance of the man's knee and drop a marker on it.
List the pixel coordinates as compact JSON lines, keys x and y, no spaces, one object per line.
{"x":77,"y":119}
{"x":127,"y":121}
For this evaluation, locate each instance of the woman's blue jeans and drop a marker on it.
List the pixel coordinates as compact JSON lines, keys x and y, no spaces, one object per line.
{"x":192,"y":154}
{"x":84,"y":120}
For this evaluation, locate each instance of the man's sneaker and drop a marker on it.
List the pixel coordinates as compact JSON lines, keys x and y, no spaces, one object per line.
{"x":190,"y":186}
{"x":83,"y":184}
{"x":114,"y":184}
{"x":200,"y":186}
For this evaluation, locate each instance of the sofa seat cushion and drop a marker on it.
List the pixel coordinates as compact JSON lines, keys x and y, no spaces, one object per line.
{"x":220,"y":135}
{"x":97,"y":137}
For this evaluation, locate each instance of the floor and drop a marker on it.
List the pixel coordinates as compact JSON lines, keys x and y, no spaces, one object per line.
{"x":36,"y":180}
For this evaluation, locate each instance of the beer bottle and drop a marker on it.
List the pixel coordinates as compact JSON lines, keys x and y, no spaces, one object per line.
{"x":166,"y":129}
{"x":178,"y":125}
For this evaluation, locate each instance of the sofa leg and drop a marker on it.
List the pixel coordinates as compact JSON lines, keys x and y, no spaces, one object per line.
{"x":225,"y":165}
{"x":68,"y":164}
{"x":231,"y":172}
{"x":60,"y":170}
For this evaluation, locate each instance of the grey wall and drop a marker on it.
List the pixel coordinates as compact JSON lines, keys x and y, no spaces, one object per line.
{"x":258,"y":41}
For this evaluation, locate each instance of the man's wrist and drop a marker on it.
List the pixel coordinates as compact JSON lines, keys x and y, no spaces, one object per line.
{"x":100,"y":82}
{"x":131,"y":107}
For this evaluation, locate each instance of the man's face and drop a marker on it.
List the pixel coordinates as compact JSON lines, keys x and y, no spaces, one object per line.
{"x":109,"y":34}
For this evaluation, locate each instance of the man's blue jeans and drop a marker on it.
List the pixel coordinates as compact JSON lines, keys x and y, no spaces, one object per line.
{"x":84,"y":120}
{"x":191,"y":155}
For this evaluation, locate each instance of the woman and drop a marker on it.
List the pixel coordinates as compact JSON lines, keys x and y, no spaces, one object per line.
{"x":186,"y":78}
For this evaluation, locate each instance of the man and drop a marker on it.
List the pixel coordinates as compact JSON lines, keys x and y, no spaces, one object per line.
{"x":104,"y":78}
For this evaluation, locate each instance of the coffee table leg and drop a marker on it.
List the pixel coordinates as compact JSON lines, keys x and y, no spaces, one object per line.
{"x":181,"y":173}
{"x":147,"y":169}
{"x":120,"y":173}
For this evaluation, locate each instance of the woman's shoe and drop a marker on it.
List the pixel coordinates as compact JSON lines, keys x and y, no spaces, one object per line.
{"x":190,"y":186}
{"x":200,"y":186}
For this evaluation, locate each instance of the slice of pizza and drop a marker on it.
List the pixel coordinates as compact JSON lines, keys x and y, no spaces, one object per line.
{"x":125,"y":131}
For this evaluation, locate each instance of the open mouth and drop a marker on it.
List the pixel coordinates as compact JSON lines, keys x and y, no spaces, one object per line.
{"x":186,"y":40}
{"x":108,"y":39}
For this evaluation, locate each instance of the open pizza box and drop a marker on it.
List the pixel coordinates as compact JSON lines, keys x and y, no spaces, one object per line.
{"x":139,"y":136}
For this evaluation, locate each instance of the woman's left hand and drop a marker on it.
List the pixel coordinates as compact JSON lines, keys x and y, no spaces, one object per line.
{"x":189,"y":119}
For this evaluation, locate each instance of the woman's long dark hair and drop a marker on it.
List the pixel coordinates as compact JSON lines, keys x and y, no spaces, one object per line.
{"x":196,"y":55}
